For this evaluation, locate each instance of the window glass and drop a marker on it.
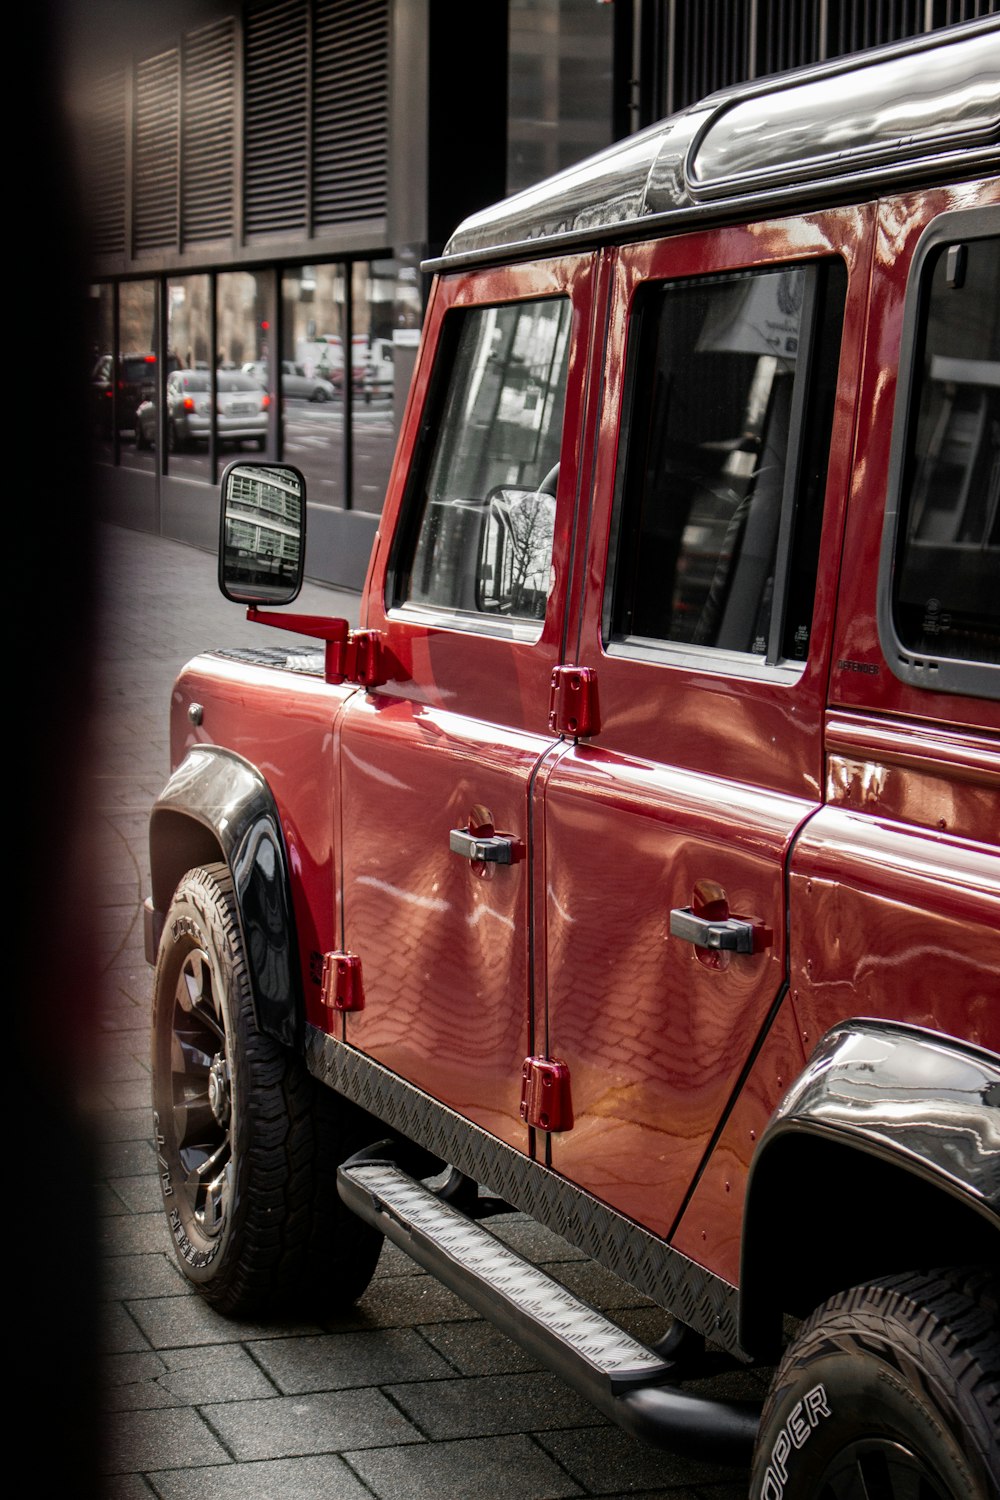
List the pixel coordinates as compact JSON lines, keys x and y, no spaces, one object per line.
{"x":312,"y":377}
{"x":375,"y":321}
{"x":101,"y":310}
{"x":190,"y":349}
{"x":725,"y":460}
{"x":484,"y":541}
{"x":946,"y":599}
{"x":243,"y":300}
{"x":136,"y":373}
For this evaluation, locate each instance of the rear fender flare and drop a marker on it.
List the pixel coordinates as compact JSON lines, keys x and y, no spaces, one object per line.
{"x":895,"y":1117}
{"x":216,"y":805}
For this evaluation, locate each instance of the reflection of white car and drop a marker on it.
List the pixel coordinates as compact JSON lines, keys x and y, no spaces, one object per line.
{"x":294,"y":380}
{"x":241,"y":410}
{"x":379,"y":378}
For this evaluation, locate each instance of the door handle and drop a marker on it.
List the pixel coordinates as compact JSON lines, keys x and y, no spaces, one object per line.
{"x":493,"y":849}
{"x":728,"y":935}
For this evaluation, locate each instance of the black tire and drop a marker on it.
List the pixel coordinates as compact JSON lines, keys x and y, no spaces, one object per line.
{"x":318,"y":394}
{"x":248,"y":1143}
{"x":889,"y":1390}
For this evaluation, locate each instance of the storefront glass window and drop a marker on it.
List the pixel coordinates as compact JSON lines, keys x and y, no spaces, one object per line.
{"x":378,"y":311}
{"x":189,"y":349}
{"x":312,"y":378}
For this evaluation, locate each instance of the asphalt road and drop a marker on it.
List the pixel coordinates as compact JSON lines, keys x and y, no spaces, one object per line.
{"x":411,"y":1395}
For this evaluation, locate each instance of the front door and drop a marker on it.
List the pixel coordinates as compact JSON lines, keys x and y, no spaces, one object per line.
{"x":438,"y":764}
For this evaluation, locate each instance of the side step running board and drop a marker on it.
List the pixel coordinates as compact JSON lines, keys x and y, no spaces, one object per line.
{"x":615,"y":1372}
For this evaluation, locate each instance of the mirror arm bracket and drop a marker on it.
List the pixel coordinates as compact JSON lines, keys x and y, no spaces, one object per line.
{"x":351,"y":655}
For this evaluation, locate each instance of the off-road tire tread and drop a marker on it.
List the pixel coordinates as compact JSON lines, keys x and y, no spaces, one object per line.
{"x":951,"y":1314}
{"x":291,"y":1235}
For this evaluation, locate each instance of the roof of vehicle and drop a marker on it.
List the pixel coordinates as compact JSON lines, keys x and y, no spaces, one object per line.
{"x":914,"y":111}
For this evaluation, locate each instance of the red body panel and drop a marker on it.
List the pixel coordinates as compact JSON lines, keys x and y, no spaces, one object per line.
{"x":897,"y":922}
{"x":283,"y":724}
{"x":712,"y":1224}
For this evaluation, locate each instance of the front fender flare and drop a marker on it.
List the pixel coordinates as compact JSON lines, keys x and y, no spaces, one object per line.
{"x":218,"y":805}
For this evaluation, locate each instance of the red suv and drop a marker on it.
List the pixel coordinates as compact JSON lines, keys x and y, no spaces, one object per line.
{"x":635,"y":864}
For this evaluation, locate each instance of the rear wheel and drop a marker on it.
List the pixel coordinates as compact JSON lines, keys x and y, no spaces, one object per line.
{"x":248,"y":1143}
{"x":892,"y":1391}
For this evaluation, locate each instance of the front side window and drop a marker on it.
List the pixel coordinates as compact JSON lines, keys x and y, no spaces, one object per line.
{"x":945,"y":600}
{"x":485,"y":505}
{"x":731,"y":390}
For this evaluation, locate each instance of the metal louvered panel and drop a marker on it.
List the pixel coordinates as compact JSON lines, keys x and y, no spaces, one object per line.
{"x":105,"y":165}
{"x":351,"y":110}
{"x":157,"y":152}
{"x":276,"y":119}
{"x":854,"y":24}
{"x":949,"y":12}
{"x":711,"y":48}
{"x":207,"y":134}
{"x":789,"y":33}
{"x":717,"y":42}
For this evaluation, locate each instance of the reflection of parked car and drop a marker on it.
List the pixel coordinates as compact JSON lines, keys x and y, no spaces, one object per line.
{"x":241,"y":410}
{"x":136,"y":378}
{"x":294,"y":380}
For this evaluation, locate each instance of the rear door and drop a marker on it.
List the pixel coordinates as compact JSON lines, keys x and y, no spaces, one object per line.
{"x":723,"y":463}
{"x":470,"y":603}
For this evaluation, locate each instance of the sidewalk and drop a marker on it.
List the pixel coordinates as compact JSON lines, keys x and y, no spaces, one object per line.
{"x":411,"y":1396}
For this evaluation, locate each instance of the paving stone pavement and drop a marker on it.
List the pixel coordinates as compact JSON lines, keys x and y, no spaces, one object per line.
{"x":410,"y":1395}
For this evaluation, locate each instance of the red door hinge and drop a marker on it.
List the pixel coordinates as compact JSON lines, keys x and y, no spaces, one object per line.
{"x":573,"y":709}
{"x":360,"y":657}
{"x":342,"y":985}
{"x":546,"y":1103}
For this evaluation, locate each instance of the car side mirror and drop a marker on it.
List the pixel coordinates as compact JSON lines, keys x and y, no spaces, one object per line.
{"x":262,"y":536}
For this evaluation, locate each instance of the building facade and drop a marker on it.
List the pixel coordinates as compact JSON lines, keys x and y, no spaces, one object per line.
{"x":263,"y":179}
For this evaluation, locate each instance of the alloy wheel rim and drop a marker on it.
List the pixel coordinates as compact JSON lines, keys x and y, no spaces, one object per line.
{"x":201,"y":1097}
{"x":878,"y":1468}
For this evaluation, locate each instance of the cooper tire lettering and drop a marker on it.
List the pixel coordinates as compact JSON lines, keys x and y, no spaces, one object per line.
{"x":890,"y":1388}
{"x":802,"y":1419}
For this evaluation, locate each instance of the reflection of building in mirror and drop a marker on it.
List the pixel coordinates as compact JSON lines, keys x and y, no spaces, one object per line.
{"x":263,"y":530}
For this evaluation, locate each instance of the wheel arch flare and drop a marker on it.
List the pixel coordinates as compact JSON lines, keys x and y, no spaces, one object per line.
{"x":217,"y":806}
{"x":891,"y":1127}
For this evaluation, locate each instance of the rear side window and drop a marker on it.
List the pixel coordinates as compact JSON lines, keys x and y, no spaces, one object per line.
{"x":940,"y":621}
{"x":731,"y":390}
{"x":479,"y":542}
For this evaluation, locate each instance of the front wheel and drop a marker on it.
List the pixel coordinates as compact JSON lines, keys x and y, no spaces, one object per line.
{"x":889,"y":1390}
{"x":248,"y":1143}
